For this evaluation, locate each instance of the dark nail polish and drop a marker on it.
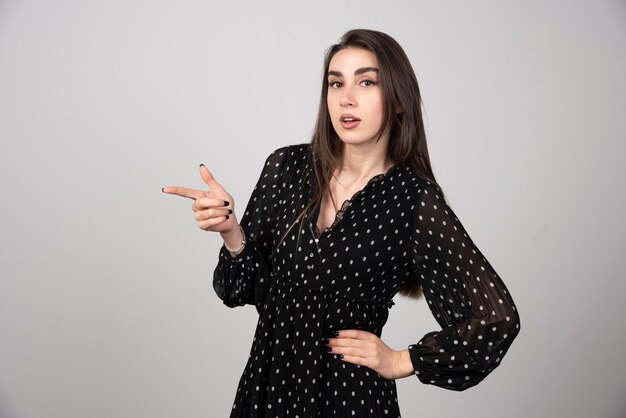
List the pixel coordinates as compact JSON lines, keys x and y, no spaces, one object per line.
{"x":226,"y":203}
{"x":340,"y":356}
{"x":230,"y":211}
{"x":163,"y":189}
{"x":227,"y":216}
{"x":329,"y":349}
{"x":336,"y":333}
{"x":202,"y":165}
{"x":326,"y":340}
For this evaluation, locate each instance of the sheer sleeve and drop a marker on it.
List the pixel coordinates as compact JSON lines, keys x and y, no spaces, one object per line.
{"x":468,"y":299}
{"x":244,"y":279}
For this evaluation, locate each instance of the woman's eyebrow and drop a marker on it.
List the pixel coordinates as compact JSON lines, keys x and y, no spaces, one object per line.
{"x":356,"y":72}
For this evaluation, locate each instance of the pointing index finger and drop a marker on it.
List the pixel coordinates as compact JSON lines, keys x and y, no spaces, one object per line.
{"x":184,"y":192}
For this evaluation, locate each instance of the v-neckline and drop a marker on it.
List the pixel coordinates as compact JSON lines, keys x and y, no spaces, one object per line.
{"x":344,"y":206}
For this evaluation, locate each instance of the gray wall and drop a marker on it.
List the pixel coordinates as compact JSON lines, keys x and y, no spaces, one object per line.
{"x":106,"y":303}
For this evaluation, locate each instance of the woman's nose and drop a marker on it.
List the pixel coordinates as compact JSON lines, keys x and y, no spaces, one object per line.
{"x":347,"y":98}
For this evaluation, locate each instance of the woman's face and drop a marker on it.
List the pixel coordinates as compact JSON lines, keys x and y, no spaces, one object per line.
{"x":355,"y":98}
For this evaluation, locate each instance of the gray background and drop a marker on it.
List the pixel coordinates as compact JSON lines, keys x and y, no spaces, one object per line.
{"x":106,"y":303}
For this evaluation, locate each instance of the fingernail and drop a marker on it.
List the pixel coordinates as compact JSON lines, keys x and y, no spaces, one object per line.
{"x":226,"y":203}
{"x":227,"y":216}
{"x":329,"y":349}
{"x":230,"y":211}
{"x":202,"y":165}
{"x":163,"y":189}
{"x":326,"y":340}
{"x":336,"y":333}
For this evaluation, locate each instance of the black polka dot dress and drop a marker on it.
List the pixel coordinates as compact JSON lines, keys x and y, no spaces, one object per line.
{"x":311,"y":283}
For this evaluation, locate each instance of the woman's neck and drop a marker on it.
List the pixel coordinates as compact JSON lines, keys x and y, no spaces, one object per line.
{"x":360,"y":164}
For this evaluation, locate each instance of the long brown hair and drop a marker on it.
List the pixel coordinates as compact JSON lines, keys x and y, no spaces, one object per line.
{"x":407,"y":138}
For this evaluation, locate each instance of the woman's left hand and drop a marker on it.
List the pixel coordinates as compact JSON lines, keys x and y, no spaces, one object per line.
{"x":366,"y":349}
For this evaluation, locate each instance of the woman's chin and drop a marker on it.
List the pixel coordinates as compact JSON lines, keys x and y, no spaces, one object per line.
{"x":356,"y":141}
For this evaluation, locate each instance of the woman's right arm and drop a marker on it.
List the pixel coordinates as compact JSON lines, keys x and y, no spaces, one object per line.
{"x":242,"y":273}
{"x":244,"y":278}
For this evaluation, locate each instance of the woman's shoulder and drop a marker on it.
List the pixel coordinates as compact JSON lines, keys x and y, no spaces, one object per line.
{"x":291,"y":154}
{"x":419,"y":186}
{"x":415,"y":179}
{"x":297,"y":148}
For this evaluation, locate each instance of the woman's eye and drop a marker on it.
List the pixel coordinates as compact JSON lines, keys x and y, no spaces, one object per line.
{"x":368,"y":82}
{"x":334,"y":84}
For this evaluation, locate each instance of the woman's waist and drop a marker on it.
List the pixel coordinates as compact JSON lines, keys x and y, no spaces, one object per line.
{"x":332,"y":291}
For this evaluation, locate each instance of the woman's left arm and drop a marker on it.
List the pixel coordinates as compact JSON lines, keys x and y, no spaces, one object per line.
{"x":468,"y":299}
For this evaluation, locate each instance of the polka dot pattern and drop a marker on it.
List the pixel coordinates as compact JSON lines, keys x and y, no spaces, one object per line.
{"x":310,"y":283}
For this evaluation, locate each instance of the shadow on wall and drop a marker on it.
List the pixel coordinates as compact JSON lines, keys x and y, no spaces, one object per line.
{"x":6,"y":410}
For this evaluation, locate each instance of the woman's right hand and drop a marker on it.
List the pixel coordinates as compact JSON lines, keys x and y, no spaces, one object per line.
{"x":214,"y":209}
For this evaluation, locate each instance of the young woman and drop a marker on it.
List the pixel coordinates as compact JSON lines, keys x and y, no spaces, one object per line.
{"x":334,"y":229}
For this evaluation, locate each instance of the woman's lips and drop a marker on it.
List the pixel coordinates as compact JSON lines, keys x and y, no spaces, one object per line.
{"x":349,"y":121}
